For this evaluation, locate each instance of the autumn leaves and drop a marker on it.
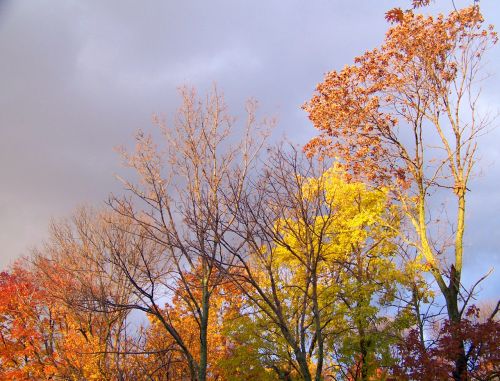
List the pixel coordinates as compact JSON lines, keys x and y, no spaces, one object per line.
{"x":227,"y":261}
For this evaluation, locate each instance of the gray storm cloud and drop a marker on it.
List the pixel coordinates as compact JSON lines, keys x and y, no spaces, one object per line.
{"x":77,"y":78}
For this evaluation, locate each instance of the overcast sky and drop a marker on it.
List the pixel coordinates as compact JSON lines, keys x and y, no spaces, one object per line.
{"x":78,"y":78}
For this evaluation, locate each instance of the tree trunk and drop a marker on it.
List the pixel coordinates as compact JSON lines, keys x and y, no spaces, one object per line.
{"x":304,"y":369}
{"x":460,"y":362}
{"x":460,"y":371}
{"x":202,"y":369}
{"x":363,"y":347}
{"x":318,"y":329}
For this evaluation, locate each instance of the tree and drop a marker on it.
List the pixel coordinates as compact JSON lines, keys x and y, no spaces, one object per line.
{"x":258,"y":350}
{"x":78,"y":268}
{"x":416,"y":362}
{"x":280,"y":253}
{"x":317,"y":261}
{"x":41,"y":338}
{"x":406,"y":114}
{"x":178,"y":207}
{"x":27,"y":345}
{"x":225,"y":305}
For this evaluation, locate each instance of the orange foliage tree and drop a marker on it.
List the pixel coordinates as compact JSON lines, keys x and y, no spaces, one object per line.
{"x":405,"y":115}
{"x":26,"y":330}
{"x":169,"y":362}
{"x":41,"y":338}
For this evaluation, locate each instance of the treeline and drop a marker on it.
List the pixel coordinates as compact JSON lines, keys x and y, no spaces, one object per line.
{"x":232,"y":259}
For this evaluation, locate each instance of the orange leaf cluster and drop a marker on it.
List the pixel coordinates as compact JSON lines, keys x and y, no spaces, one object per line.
{"x":361,"y":108}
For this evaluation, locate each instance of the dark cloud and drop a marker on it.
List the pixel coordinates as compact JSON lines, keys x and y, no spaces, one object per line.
{"x":79,"y":77}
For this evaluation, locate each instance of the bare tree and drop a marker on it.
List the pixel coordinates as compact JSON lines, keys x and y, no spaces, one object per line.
{"x":281,"y":278}
{"x":178,"y":207}
{"x":78,"y":268}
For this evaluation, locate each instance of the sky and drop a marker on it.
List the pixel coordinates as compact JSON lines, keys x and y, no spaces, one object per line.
{"x":79,"y":78}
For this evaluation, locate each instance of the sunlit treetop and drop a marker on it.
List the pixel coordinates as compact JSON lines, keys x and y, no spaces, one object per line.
{"x":408,"y":81}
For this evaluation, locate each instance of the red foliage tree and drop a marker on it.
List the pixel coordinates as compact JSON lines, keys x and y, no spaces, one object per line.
{"x":26,"y":328}
{"x":436,"y":362}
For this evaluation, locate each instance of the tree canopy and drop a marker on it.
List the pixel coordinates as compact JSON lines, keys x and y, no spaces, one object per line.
{"x":231,"y":258}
